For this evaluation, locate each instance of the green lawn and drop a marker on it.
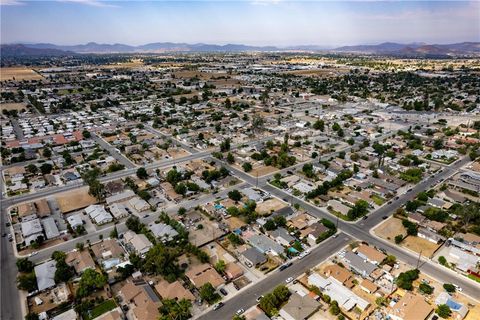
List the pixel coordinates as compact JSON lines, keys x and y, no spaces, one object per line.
{"x":471,"y":276}
{"x":100,"y":309}
{"x":378,"y":200}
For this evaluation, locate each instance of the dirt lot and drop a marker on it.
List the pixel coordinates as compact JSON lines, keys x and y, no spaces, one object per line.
{"x":178,"y":153}
{"x":74,"y":200}
{"x":390,"y":228}
{"x":418,"y":244}
{"x":18,"y":73}
{"x":262,"y":170}
{"x":209,"y":232}
{"x":270,"y":205}
{"x":132,"y":64}
{"x":13,"y":106}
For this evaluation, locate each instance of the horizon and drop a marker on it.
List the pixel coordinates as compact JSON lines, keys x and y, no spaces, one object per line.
{"x":327,"y":24}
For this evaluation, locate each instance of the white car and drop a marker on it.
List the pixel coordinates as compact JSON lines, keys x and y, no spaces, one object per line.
{"x":289,"y":279}
{"x":240,"y":311}
{"x":31,"y":254}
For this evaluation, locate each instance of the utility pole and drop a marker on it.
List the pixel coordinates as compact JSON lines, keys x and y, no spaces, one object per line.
{"x":419,"y":257}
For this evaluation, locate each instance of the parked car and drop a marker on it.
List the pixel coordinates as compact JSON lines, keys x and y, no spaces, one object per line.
{"x":289,"y":279}
{"x":218,"y":305}
{"x":223,"y":291}
{"x":259,"y":298}
{"x":240,"y":311}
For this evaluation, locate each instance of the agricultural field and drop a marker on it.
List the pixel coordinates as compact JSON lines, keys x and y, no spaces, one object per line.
{"x":19,"y":74}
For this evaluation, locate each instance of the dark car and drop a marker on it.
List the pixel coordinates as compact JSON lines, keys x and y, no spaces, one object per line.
{"x":365,"y":217}
{"x":218,"y":306}
{"x":384,"y":217}
{"x":223,"y":291}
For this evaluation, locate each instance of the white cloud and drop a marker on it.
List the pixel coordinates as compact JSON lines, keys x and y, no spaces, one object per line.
{"x":93,"y":3}
{"x":11,"y":3}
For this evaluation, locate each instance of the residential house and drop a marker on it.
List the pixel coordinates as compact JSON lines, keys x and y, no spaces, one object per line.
{"x":31,"y":230}
{"x":173,"y":290}
{"x":163,"y":232}
{"x":371,"y":254}
{"x":341,"y":274}
{"x":118,"y":210}
{"x":142,"y":301}
{"x":98,"y":214}
{"x":137,"y":243}
{"x":265,"y":244}
{"x":299,"y":307}
{"x":80,"y":260}
{"x":359,"y":264}
{"x":120,"y":197}
{"x":202,"y":274}
{"x":45,"y":274}
{"x":410,"y":307}
{"x":50,"y":227}
{"x":254,"y":257}
{"x":431,"y":236}
{"x":282,"y":236}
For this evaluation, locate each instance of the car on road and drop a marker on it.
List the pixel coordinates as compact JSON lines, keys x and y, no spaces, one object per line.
{"x":223,"y":291}
{"x":384,"y":217}
{"x":240,"y":311}
{"x":31,"y":254}
{"x":259,"y":298}
{"x":397,"y":197}
{"x":289,"y":279}
{"x":289,"y":172}
{"x":285,"y":266}
{"x":364,"y":217}
{"x":10,"y":237}
{"x":218,"y":305}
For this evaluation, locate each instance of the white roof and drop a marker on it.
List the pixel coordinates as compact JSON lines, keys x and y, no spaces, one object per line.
{"x":31,"y":227}
{"x":45,"y":274}
{"x":75,"y":220}
{"x":51,"y":230}
{"x":67,"y":315}
{"x":98,"y":214}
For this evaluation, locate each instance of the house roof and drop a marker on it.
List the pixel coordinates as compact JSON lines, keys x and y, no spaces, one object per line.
{"x":358,"y":264}
{"x":107,"y":248}
{"x":45,"y":274}
{"x":50,"y":227}
{"x":411,"y":307}
{"x":371,"y":253}
{"x":341,"y":274}
{"x":80,"y":260}
{"x":162,"y":231}
{"x":173,"y":290}
{"x":254,"y":256}
{"x":300,"y":307}
{"x":204,"y":273}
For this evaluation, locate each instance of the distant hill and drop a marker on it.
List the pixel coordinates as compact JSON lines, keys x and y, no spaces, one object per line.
{"x":18,"y":50}
{"x":386,"y":48}
{"x":415,"y":49}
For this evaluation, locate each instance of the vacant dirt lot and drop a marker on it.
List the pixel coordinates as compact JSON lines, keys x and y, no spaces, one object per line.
{"x":270,"y":205}
{"x":390,"y":228}
{"x":13,"y":106}
{"x":74,"y":200}
{"x":18,"y":73}
{"x":262,"y":170}
{"x":418,"y":244}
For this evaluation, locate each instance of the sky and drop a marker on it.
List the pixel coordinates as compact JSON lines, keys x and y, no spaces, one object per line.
{"x":253,"y":22}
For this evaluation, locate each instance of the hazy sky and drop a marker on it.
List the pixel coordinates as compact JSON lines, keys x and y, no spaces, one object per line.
{"x":256,"y":22}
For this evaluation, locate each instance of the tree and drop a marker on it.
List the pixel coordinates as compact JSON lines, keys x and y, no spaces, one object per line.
{"x":33,"y":169}
{"x":32,"y":316}
{"x":96,"y":189}
{"x":442,"y":260}
{"x":225,"y":145}
{"x":181,"y":188}
{"x":220,"y":266}
{"x":270,"y":225}
{"x":24,"y":265}
{"x":247,"y":167}
{"x":257,"y":122}
{"x":230,"y":158}
{"x":178,"y":310}
{"x":449,"y":287}
{"x":47,"y":153}
{"x":142,"y":173}
{"x":208,"y":293}
{"x":27,"y":282}
{"x":133,"y":223}
{"x":86,"y":134}
{"x":360,"y":209}
{"x":90,"y":281}
{"x":162,"y":260}
{"x":405,"y":279}
{"x":319,"y":125}
{"x":425,"y":288}
{"x":390,"y":260}
{"x":181,"y":211}
{"x":64,"y":272}
{"x":46,"y":168}
{"x":398,"y":238}
{"x":114,"y":233}
{"x":235,"y":195}
{"x":443,"y":311}
{"x":438,"y":144}
{"x":334,"y":308}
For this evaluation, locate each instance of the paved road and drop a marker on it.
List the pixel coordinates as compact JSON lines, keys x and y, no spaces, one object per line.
{"x":113,"y":152}
{"x":247,"y":297}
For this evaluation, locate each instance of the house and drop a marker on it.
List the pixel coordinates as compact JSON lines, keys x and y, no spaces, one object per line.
{"x":98,"y":214}
{"x":139,"y":204}
{"x":233,"y":271}
{"x":346,"y":298}
{"x":359,"y":264}
{"x":341,"y":274}
{"x":313,"y":232}
{"x":120,"y":197}
{"x":431,"y":236}
{"x":265,"y":244}
{"x":50,"y":227}
{"x":339,"y":207}
{"x":118,"y":210}
{"x":67,"y":315}
{"x":300,"y":221}
{"x":371,"y":254}
{"x":415,"y":217}
{"x":281,"y":236}
{"x":368,"y":286}
{"x":31,"y":230}
{"x":45,"y":274}
{"x":115,"y":314}
{"x":80,"y":260}
{"x":410,"y":307}
{"x":254,"y":257}
{"x":173,"y":290}
{"x":299,"y":307}
{"x":142,"y":300}
{"x":137,"y":243}
{"x":162,"y":231}
{"x":75,"y":220}
{"x":202,"y":274}
{"x":107,"y":249}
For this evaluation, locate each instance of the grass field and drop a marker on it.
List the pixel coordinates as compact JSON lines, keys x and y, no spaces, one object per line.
{"x":100,"y":309}
{"x":18,"y":73}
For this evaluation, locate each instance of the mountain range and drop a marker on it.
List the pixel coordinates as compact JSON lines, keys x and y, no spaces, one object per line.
{"x":387,"y":48}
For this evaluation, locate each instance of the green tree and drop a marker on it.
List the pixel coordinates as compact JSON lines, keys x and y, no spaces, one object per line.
{"x":319,"y":125}
{"x":405,"y":279}
{"x":442,"y":260}
{"x":142,"y":173}
{"x":208,"y":293}
{"x":46,"y":168}
{"x":247,"y":167}
{"x":443,"y":311}
{"x":220,"y":266}
{"x":24,"y":265}
{"x":449,"y":287}
{"x":133,"y":223}
{"x":172,"y":309}
{"x":230,"y":158}
{"x":398,"y":238}
{"x":90,"y":281}
{"x":27,"y":282}
{"x":162,"y":260}
{"x":425,"y":288}
{"x":32,"y":316}
{"x":114,"y":233}
{"x":235,"y":195}
{"x":86,"y":134}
